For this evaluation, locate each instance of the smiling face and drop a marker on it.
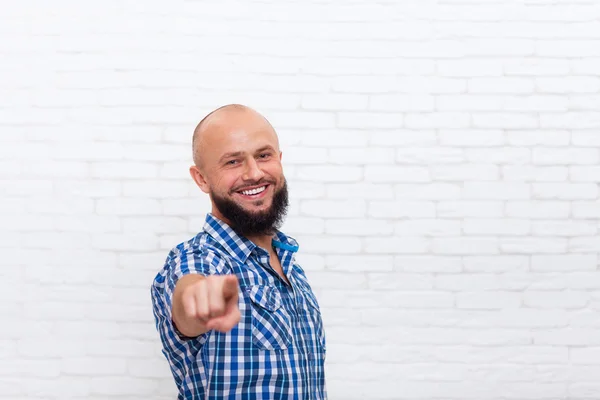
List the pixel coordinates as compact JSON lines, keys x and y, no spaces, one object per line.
{"x":238,"y":163}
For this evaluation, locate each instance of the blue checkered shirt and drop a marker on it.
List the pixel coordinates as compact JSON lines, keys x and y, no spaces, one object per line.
{"x":276,"y":351}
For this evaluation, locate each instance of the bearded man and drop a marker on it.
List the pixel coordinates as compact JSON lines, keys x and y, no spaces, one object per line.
{"x":235,"y":312}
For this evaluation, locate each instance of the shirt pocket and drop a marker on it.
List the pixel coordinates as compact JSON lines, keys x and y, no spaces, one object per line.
{"x":315,"y":319}
{"x":271,"y":326}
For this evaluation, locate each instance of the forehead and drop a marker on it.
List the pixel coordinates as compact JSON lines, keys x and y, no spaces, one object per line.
{"x":240,"y":132}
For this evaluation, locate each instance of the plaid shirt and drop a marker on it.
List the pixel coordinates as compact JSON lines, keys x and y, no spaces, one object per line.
{"x":276,"y":351}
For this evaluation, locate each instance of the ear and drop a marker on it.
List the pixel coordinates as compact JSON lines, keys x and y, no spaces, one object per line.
{"x":280,"y":155}
{"x":198,"y":177}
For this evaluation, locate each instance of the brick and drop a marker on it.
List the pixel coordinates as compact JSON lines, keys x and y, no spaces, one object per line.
{"x":585,"y":66}
{"x":537,"y":102}
{"x":568,"y":48}
{"x":466,"y":172}
{"x":124,"y":170}
{"x":396,"y":245}
{"x":499,"y":227}
{"x":401,"y":102}
{"x":333,"y":138}
{"x":583,"y":102}
{"x":584,"y":244}
{"x":157,"y":189}
{"x":100,"y":366}
{"x":529,"y":173}
{"x":330,"y":244}
{"x":129,"y":206}
{"x":536,"y":66}
{"x":533,"y":245}
{"x":358,"y":190}
{"x":437,"y":120}
{"x":334,"y":102}
{"x":361,"y":227}
{"x":497,"y":263}
{"x":360,"y":263}
{"x":425,"y":227}
{"x":498,"y":155}
{"x":488,"y":300}
{"x":570,"y":120}
{"x":468,"y":208}
{"x":564,"y":228}
{"x":585,"y":138}
{"x":337,"y":280}
{"x":505,"y":120}
{"x":538,"y":138}
{"x":586,"y":209}
{"x":540,"y":209}
{"x":565,"y":156}
{"x":432,"y":191}
{"x":330,"y":174}
{"x":564,"y":262}
{"x":427,"y":155}
{"x":400,"y":209}
{"x":369,"y":120}
{"x":399,"y":281}
{"x":361,"y":156}
{"x":403,"y":138}
{"x":430,"y":85}
{"x":350,"y":208}
{"x":555,"y":300}
{"x":427,"y":263}
{"x":469,"y":68}
{"x":572,"y":84}
{"x":565,"y":191}
{"x":495,"y":191}
{"x":306,"y":155}
{"x":471,"y":137}
{"x":501,"y":85}
{"x":585,"y":174}
{"x":397,"y":173}
{"x":465,"y":245}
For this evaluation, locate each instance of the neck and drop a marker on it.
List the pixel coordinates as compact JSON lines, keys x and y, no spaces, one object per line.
{"x":263,"y":241}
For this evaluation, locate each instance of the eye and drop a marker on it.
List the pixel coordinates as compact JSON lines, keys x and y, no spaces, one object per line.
{"x":231,"y":162}
{"x":265,"y":155}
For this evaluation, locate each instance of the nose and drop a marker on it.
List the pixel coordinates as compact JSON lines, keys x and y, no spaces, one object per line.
{"x":252,"y":171}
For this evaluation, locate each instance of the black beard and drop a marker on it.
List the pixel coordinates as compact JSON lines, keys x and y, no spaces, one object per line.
{"x":248,"y":223}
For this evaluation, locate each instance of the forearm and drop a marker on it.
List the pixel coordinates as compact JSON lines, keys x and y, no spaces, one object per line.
{"x":188,"y":324}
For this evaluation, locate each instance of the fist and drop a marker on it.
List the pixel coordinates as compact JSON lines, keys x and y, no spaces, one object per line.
{"x":213,"y":301}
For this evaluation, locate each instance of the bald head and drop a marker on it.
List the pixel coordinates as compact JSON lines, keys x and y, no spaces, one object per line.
{"x":224,"y":120}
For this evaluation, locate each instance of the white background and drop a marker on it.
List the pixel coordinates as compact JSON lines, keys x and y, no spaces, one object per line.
{"x":443,"y":160}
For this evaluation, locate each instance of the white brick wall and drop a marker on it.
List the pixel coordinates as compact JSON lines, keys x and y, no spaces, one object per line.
{"x":443,"y":160}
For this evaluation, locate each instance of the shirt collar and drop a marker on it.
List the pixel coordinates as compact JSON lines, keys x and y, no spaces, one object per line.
{"x":239,"y":246}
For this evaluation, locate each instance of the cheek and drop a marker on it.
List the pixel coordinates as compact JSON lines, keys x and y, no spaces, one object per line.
{"x":226,"y":183}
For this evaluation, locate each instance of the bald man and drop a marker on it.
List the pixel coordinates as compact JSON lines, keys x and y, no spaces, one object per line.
{"x":234,"y":310}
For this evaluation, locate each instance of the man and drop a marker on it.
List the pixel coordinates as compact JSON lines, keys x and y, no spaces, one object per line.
{"x":235,"y":312}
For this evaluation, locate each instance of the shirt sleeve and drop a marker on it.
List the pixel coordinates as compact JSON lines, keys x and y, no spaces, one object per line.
{"x":178,"y":349}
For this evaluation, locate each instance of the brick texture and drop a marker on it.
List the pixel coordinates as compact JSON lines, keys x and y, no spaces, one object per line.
{"x":443,"y":159}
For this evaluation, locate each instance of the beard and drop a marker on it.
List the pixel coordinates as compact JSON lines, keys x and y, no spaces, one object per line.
{"x":247,"y":223}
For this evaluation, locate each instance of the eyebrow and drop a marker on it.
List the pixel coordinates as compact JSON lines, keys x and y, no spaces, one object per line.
{"x":239,"y":153}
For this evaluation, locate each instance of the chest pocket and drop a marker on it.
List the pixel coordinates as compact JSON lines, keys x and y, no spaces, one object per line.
{"x":314,"y":319}
{"x":271,"y":326}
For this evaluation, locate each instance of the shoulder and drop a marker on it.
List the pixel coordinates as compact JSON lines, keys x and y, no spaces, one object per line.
{"x":198,"y":255}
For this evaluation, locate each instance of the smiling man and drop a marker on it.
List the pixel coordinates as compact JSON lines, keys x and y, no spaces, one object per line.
{"x":234,"y":310}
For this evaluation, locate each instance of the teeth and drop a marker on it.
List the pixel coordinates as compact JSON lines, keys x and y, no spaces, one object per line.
{"x":253,"y":191}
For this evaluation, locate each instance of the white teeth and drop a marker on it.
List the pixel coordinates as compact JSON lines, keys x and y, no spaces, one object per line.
{"x":253,"y":191}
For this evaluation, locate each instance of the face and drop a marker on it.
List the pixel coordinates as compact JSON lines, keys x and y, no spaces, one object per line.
{"x":241,"y":171}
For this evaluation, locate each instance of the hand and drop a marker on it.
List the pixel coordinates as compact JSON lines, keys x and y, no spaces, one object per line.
{"x":213,"y":302}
